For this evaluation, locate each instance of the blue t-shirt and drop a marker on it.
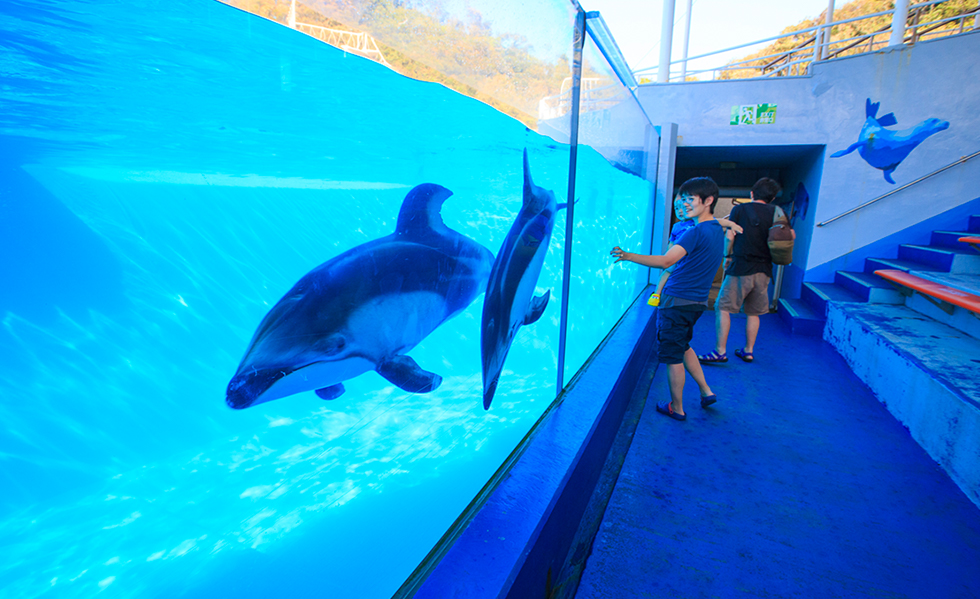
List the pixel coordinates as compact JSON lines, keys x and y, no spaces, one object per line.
{"x":679,"y":228}
{"x":694,"y":273}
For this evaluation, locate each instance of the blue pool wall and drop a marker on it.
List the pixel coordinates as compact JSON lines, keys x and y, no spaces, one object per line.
{"x":522,"y":538}
{"x":931,"y":79}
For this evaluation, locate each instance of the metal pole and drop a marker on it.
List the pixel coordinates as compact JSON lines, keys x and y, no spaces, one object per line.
{"x":816,"y":48}
{"x":666,"y":41}
{"x":292,"y":14}
{"x":976,"y":18}
{"x":825,"y":46}
{"x":578,"y":43}
{"x":899,"y":16}
{"x":687,"y":38}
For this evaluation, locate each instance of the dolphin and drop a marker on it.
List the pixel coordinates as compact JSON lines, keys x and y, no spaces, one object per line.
{"x":510,"y":301}
{"x":885,"y":149}
{"x":365,"y":309}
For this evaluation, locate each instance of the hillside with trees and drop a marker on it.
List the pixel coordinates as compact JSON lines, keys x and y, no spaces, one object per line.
{"x":803,"y":43}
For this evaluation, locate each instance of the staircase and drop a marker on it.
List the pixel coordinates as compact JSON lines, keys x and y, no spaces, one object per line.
{"x":808,"y":314}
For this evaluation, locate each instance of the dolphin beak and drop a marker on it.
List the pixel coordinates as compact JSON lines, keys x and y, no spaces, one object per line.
{"x":246,"y":388}
{"x":528,"y":183}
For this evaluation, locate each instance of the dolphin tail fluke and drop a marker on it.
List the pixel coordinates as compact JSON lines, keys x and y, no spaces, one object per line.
{"x":871,"y":108}
{"x":888,"y":120}
{"x":850,"y":149}
{"x":888,"y":175}
{"x":536,"y":309}
{"x":331,"y":392}
{"x":405,"y":373}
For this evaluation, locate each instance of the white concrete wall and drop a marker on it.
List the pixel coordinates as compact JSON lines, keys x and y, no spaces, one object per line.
{"x":935,"y":79}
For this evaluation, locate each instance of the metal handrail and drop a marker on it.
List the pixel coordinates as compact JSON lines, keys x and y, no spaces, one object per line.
{"x":813,"y":30}
{"x":894,"y":191}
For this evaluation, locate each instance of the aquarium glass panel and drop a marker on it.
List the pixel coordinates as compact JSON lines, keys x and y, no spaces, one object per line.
{"x":243,"y":283}
{"x":613,"y":191}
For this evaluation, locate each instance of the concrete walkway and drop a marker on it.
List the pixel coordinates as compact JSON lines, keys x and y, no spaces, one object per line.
{"x":797,"y":483}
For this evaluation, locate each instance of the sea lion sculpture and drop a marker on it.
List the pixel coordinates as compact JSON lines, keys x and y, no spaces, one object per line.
{"x":885,"y":149}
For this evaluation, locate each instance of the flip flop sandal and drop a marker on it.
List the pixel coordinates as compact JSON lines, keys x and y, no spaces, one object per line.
{"x":707,"y":400}
{"x":713,"y":358}
{"x":746,"y":356}
{"x":665,"y":409}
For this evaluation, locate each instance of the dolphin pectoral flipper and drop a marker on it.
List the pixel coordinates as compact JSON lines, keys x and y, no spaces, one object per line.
{"x":850,"y":149}
{"x":331,"y":392}
{"x":536,"y":309}
{"x":405,"y":373}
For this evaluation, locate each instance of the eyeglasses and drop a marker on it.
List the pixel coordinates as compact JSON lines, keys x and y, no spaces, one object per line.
{"x":685,"y":199}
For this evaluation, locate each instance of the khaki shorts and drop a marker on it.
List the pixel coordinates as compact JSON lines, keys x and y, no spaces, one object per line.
{"x":750,"y":291}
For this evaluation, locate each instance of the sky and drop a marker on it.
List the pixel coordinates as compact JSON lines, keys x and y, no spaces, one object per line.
{"x":635,"y":24}
{"x":715,"y":25}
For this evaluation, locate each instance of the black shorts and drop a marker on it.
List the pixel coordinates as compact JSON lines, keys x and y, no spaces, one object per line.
{"x":675,"y":329}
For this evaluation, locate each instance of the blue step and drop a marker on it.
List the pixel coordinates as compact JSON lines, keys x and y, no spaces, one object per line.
{"x":974,"y":226}
{"x":944,"y":259}
{"x":949,"y":239}
{"x":818,"y":294}
{"x":873,"y":264}
{"x":800,"y":316}
{"x":869,"y":287}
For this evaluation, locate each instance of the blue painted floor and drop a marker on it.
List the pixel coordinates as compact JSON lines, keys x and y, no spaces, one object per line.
{"x":797,"y":483}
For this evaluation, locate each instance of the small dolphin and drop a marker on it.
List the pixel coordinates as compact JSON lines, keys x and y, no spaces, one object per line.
{"x":884,"y":149}
{"x":510,"y":302}
{"x":364,"y":309}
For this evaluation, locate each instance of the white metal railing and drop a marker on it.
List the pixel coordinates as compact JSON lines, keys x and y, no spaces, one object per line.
{"x":818,"y":44}
{"x":354,"y":42}
{"x":597,"y":93}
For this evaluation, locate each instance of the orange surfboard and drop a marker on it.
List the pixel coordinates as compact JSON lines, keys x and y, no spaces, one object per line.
{"x":947,"y":294}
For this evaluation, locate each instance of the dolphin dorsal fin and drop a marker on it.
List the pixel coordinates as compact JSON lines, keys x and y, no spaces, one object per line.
{"x":871,"y":108}
{"x":421,"y":208}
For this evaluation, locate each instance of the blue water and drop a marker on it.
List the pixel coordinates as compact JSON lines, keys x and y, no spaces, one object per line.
{"x":169,"y":171}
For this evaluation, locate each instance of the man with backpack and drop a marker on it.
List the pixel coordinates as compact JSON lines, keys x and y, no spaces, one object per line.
{"x":748,"y":270}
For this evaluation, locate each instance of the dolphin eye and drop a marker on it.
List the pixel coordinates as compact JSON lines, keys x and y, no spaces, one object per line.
{"x":334,"y":344}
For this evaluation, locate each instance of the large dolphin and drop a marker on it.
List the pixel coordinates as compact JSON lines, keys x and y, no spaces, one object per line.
{"x":510,"y":301}
{"x":885,"y":149}
{"x":364,"y":309}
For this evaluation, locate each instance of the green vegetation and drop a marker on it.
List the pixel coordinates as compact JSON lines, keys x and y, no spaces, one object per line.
{"x":864,"y":27}
{"x":464,"y":56}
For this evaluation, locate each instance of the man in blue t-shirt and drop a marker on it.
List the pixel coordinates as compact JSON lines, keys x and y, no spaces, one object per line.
{"x":697,"y":254}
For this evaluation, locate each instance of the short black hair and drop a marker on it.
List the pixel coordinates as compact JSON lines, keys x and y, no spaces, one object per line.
{"x":703,"y":187}
{"x":765,"y":189}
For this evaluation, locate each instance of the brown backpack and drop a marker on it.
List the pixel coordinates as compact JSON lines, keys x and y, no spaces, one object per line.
{"x":781,"y":241}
